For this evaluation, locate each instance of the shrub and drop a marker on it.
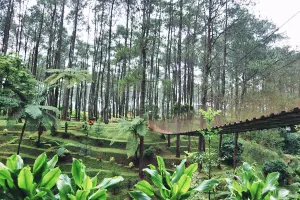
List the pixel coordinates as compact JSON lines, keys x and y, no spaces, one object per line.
{"x":228,"y":150}
{"x":291,"y":143}
{"x":277,"y":166}
{"x":271,"y":139}
{"x":149,"y":153}
{"x":255,"y":153}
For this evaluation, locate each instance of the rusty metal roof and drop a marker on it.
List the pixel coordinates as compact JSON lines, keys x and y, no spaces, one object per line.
{"x":273,"y":120}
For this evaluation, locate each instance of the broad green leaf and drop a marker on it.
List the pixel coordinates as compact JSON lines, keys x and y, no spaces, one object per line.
{"x":160,"y":163}
{"x":33,"y":111}
{"x":186,"y":195}
{"x":270,"y":183}
{"x":256,"y":189}
{"x":179,"y":172}
{"x":141,"y":129}
{"x":39,"y":163}
{"x":165,"y":193}
{"x":71,"y":197}
{"x":206,"y":185}
{"x":5,"y":175}
{"x":99,"y":195}
{"x":50,"y":179}
{"x":155,"y":177}
{"x":95,"y":179}
{"x":152,"y":167}
{"x":174,"y":190}
{"x":64,"y":186}
{"x":87,"y":183}
{"x":145,"y":187}
{"x":78,"y":172}
{"x":107,"y":182}
{"x":14,"y":162}
{"x":39,"y":195}
{"x":282,"y":193}
{"x":137,"y":195}
{"x":131,"y":145}
{"x":3,"y":185}
{"x":191,"y":169}
{"x":184,"y":184}
{"x":25,"y":179}
{"x":82,"y":194}
{"x":51,"y":163}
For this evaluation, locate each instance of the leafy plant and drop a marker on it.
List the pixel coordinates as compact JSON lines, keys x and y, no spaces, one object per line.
{"x":277,"y":166}
{"x":228,"y":150}
{"x":170,"y":186}
{"x":22,"y":182}
{"x":249,"y":185}
{"x":134,"y":129}
{"x":85,"y":187}
{"x":209,"y":133}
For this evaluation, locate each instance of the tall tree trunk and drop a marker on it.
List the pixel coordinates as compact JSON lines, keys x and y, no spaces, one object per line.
{"x":107,"y":90}
{"x":8,"y":20}
{"x":71,"y":57}
{"x":21,"y":137}
{"x":37,"y":44}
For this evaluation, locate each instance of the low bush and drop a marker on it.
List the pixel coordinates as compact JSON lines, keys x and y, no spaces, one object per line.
{"x":228,"y":150}
{"x":149,"y":153}
{"x":291,"y":143}
{"x":277,"y":166}
{"x":255,"y":153}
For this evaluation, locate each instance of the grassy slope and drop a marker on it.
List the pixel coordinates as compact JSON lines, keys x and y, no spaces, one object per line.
{"x":97,"y":146}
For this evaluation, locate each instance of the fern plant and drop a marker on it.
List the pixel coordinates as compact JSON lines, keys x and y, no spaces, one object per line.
{"x":134,"y":129}
{"x":70,"y":77}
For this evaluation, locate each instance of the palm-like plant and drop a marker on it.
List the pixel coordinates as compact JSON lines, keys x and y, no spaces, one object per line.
{"x":135,"y":129}
{"x":70,"y":78}
{"x":37,"y":116}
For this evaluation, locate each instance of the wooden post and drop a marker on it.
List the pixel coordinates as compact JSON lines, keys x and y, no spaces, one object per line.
{"x":200,"y":148}
{"x":169,"y":140}
{"x":189,"y":144}
{"x":141,"y":157}
{"x":178,"y":145}
{"x":220,"y":148}
{"x":236,"y":135}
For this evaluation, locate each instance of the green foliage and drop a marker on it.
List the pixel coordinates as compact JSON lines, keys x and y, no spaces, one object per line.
{"x":271,"y":139}
{"x":228,"y":150}
{"x":253,"y":153}
{"x":22,"y":182}
{"x":209,"y":158}
{"x":277,"y":166}
{"x":247,"y":184}
{"x":291,"y":143}
{"x":134,"y":128}
{"x":170,"y":186}
{"x":86,"y":187}
{"x":17,"y":81}
{"x":185,"y":108}
{"x":149,"y":153}
{"x":70,"y":76}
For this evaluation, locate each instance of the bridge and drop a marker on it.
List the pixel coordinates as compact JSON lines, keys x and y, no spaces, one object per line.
{"x":282,"y":119}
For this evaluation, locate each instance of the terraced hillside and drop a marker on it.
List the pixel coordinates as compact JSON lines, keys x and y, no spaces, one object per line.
{"x":95,"y":150}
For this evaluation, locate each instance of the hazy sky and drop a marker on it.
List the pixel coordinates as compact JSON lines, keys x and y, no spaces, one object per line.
{"x":279,"y":11}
